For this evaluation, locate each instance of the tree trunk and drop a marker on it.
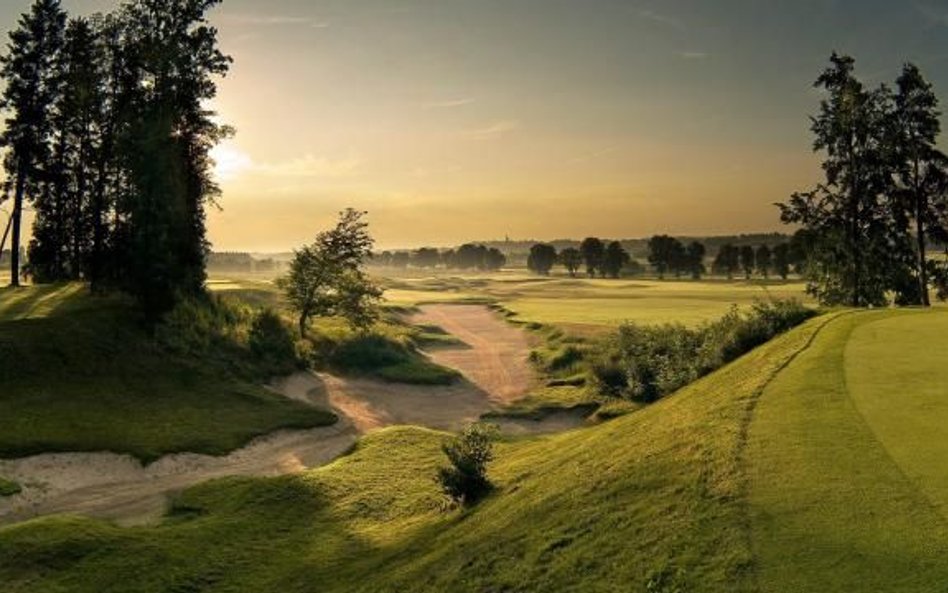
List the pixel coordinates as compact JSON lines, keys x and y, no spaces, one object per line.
{"x":17,"y":216}
{"x":921,"y":207}
{"x":303,"y":319}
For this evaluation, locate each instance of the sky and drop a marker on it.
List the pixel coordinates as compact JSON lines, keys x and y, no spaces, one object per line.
{"x":458,"y":120}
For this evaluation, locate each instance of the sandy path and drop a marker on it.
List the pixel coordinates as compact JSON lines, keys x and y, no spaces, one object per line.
{"x":117,"y":487}
{"x":496,"y":357}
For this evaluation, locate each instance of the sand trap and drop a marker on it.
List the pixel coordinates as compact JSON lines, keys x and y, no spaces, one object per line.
{"x":117,"y":487}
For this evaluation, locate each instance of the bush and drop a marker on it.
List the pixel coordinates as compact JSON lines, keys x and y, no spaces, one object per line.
{"x":9,"y":488}
{"x":647,"y":363}
{"x":466,"y":482}
{"x":272,"y":345}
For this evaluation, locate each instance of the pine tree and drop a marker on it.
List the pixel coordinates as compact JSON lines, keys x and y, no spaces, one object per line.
{"x":32,"y":89}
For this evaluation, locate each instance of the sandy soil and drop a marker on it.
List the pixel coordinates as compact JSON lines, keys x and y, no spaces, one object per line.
{"x":117,"y":487}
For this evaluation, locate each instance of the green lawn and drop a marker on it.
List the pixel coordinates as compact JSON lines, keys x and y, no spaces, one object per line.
{"x":653,"y":501}
{"x":591,"y":307}
{"x":79,"y":374}
{"x":847,"y":460}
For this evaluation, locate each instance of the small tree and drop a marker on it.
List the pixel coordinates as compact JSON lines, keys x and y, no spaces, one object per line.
{"x":748,"y":261}
{"x":572,"y":260}
{"x":782,"y":260}
{"x":593,"y":251}
{"x":466,"y":482}
{"x":326,"y":278}
{"x":696,"y":254}
{"x":764,"y":261}
{"x":615,"y":260}
{"x":542,"y":258}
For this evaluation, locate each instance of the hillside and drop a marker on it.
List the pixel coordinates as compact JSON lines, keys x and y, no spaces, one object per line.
{"x":769,"y":475}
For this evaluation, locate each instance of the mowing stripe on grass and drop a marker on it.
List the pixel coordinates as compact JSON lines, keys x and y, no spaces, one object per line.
{"x":830,"y":510}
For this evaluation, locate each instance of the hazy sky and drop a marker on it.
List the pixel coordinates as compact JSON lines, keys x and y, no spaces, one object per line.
{"x":452,"y":120}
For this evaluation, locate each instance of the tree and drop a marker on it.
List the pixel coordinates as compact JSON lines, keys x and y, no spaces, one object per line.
{"x":326,"y":278}
{"x":494,"y":260}
{"x":572,"y":260}
{"x":466,"y":480}
{"x":920,"y":164}
{"x":542,"y":258}
{"x":665,"y":254}
{"x":695,"y":259}
{"x":854,"y":248}
{"x":426,"y":258}
{"x":615,"y":260}
{"x":764,"y":257}
{"x":593,"y":251}
{"x":748,"y":260}
{"x":727,"y":261}
{"x":782,"y":260}
{"x":471,"y":257}
{"x":32,"y":89}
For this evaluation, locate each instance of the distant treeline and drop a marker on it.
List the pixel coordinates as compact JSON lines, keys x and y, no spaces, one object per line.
{"x":471,"y":256}
{"x":108,"y":136}
{"x":240,"y":262}
{"x":595,"y":258}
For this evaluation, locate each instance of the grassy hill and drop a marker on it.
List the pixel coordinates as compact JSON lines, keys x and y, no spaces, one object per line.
{"x":797,"y":468}
{"x":79,"y":374}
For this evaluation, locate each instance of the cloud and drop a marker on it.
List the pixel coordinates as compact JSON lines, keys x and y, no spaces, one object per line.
{"x":662,"y":19}
{"x":274,"y":20}
{"x":449,"y":104}
{"x":933,"y":16}
{"x":496,"y":129}
{"x":693,"y":55}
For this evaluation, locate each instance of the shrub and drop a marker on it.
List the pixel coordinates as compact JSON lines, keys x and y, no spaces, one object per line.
{"x":271,"y":343}
{"x":9,"y":488}
{"x":466,"y":481}
{"x":646,"y":363}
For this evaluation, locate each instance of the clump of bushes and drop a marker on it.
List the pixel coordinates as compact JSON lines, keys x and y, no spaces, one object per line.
{"x":465,"y":481}
{"x":645,"y":363}
{"x":386,"y":358}
{"x":9,"y":488}
{"x":272,"y":345}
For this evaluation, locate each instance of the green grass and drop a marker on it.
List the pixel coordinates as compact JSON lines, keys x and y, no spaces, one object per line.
{"x":8,"y":488}
{"x":847,"y":460}
{"x":652,"y":501}
{"x":79,"y":374}
{"x":587,"y":307}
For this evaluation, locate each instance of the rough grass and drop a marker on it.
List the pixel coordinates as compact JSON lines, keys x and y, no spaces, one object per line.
{"x":8,"y":488}
{"x":653,"y":501}
{"x":79,"y":374}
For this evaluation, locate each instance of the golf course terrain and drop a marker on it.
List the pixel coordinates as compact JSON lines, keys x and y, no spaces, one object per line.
{"x":813,"y":463}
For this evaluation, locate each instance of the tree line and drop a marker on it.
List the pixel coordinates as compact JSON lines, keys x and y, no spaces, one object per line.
{"x":471,"y":256}
{"x":108,"y":135}
{"x":884,"y":196}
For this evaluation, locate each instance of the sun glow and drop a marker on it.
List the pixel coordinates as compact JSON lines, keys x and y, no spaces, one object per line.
{"x":229,"y":162}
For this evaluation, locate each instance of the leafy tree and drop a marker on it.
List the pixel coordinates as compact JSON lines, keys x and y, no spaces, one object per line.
{"x":748,"y":260}
{"x":695,"y":259}
{"x":615,"y":260}
{"x":782,"y":260}
{"x":471,"y":257}
{"x":542,"y":258}
{"x":921,"y":166}
{"x":593,"y":250}
{"x":728,"y":261}
{"x":572,"y":260}
{"x":426,"y":258}
{"x":665,"y":254}
{"x":466,"y":480}
{"x":326,"y":278}
{"x":850,"y":224}
{"x":765,"y":260}
{"x":32,"y":89}
{"x":494,"y":260}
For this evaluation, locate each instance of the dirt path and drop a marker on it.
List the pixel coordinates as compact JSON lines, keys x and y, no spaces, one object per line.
{"x":496,"y":355}
{"x":117,"y":487}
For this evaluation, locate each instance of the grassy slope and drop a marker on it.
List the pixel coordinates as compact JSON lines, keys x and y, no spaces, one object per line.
{"x":845,"y":446}
{"x":655,"y":497}
{"x":78,"y":375}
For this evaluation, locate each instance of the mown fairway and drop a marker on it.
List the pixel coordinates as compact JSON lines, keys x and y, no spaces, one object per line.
{"x":588,"y":306}
{"x":79,"y":374}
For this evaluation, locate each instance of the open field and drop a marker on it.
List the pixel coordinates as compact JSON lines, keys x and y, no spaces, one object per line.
{"x":586,"y":306}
